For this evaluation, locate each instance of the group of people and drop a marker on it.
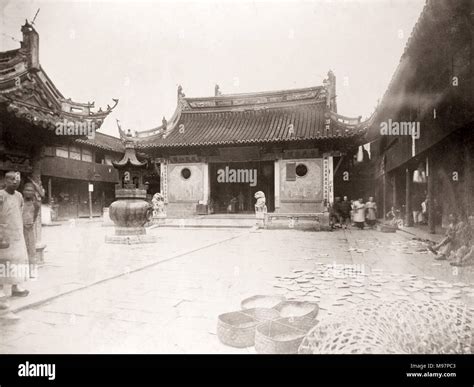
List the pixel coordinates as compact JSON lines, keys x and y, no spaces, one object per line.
{"x":18,"y":214}
{"x":458,"y":244}
{"x":229,"y":202}
{"x":344,"y":213}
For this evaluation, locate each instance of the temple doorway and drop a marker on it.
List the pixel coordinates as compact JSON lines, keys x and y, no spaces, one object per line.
{"x":233,"y":186}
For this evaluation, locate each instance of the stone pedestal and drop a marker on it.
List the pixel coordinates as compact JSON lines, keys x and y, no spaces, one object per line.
{"x":46,"y":215}
{"x":106,"y":221}
{"x":40,"y":253}
{"x":158,"y":219}
{"x":131,"y":239}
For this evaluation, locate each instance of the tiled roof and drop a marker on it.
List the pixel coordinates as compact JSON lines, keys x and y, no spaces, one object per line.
{"x":442,"y":30}
{"x":29,"y":94}
{"x":105,"y":142}
{"x":282,"y":116}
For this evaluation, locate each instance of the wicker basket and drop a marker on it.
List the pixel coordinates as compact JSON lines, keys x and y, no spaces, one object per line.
{"x":282,"y":336}
{"x":237,"y":329}
{"x":396,"y":326}
{"x":297,"y":309}
{"x":261,"y":301}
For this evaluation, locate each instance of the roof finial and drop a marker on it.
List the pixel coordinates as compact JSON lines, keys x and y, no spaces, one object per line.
{"x":217,"y":91}
{"x":164,"y":122}
{"x":180,"y":92}
{"x":36,"y":14}
{"x":330,"y":85}
{"x":122,"y":133}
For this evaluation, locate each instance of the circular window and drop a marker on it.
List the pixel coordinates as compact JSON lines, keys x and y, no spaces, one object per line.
{"x":186,"y":173}
{"x":301,"y":170}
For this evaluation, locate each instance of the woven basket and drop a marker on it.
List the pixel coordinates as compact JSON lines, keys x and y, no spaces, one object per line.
{"x":261,"y":301}
{"x":298,"y":309}
{"x":237,"y":329}
{"x":398,"y":326}
{"x":282,"y":336}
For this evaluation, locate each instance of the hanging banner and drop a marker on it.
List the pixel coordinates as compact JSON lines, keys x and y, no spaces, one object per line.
{"x":164,"y":179}
{"x":326,"y":179}
{"x":330,"y":179}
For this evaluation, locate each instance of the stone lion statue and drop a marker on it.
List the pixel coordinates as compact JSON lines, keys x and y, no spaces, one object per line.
{"x":158,"y":202}
{"x":260,"y":206}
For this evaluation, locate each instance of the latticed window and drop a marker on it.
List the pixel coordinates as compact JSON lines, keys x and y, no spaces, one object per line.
{"x":74,"y":153}
{"x":62,"y":152}
{"x":86,"y":155}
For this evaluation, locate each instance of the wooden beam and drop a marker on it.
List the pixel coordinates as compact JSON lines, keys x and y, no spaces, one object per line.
{"x":384,"y":194}
{"x":338,"y":164}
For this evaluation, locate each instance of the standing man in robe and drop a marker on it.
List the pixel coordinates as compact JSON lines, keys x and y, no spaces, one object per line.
{"x":14,"y":258}
{"x":345,"y":208}
{"x":371,"y":217}
{"x":359,"y":213}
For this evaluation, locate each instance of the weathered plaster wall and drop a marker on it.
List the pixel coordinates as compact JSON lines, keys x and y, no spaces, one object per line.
{"x":185,"y":194}
{"x":304,"y":194}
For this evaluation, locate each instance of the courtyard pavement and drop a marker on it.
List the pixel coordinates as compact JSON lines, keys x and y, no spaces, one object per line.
{"x":93,"y":297}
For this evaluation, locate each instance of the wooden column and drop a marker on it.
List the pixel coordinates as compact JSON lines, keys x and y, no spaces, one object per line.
{"x":50,"y":190}
{"x":384,"y":190}
{"x":430,"y":178}
{"x":276,"y":174}
{"x":468,"y":186}
{"x":206,"y":183}
{"x":408,"y":206}
{"x":37,"y":154}
{"x":394,"y":191}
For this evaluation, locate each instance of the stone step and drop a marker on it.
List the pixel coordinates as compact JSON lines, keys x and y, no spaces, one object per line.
{"x":245,"y":222}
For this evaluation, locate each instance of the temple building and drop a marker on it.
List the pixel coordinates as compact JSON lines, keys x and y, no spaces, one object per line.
{"x":45,"y":136}
{"x":216,"y":152}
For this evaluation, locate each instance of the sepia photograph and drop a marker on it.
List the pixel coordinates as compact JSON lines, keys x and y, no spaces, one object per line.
{"x":238,"y":177}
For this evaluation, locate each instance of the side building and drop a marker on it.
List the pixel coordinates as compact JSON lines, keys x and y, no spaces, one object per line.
{"x":69,"y":171}
{"x":43,"y":135}
{"x":421,"y":135}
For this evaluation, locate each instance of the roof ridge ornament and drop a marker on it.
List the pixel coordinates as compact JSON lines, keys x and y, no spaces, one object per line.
{"x":180,"y":92}
{"x":330,"y":87}
{"x":110,"y":108}
{"x":122,"y":133}
{"x":182,"y":103}
{"x":79,"y":108}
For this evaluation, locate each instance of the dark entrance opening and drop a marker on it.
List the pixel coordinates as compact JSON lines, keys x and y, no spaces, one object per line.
{"x":233,"y":186}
